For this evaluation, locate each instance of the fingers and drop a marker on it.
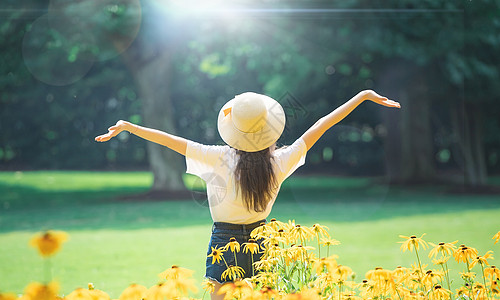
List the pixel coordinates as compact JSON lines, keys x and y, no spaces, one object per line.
{"x":387,"y":102}
{"x":391,"y":103}
{"x":103,"y":138}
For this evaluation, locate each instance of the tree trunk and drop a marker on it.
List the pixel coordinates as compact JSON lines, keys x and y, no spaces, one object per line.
{"x":467,"y":127}
{"x":417,"y":159}
{"x":158,"y":112}
{"x":151,"y":68}
{"x":408,"y":143}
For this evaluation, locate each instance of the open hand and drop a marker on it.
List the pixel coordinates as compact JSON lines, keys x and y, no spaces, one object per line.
{"x":373,"y":96}
{"x":112,"y":131}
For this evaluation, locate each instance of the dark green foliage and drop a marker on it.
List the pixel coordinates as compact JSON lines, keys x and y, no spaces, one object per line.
{"x":64,"y":83}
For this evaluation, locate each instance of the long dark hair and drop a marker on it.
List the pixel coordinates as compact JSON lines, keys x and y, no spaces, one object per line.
{"x":255,"y":174}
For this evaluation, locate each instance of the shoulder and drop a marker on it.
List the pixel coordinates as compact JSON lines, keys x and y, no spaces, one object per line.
{"x":195,"y":149}
{"x":299,"y":146}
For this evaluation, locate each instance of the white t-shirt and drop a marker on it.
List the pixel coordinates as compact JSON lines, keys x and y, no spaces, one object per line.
{"x":216,"y":164}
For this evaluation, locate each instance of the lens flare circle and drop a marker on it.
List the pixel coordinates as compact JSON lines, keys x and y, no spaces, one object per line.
{"x":49,"y":57}
{"x":102,"y":29}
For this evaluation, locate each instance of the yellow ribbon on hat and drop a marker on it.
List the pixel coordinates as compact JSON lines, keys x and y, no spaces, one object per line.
{"x":227,"y":111}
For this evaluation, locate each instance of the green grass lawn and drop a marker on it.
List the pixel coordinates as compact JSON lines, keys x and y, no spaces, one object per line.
{"x":115,"y":243}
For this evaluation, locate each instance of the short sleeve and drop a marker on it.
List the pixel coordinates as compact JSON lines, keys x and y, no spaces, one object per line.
{"x":203,"y":159}
{"x":289,"y":159}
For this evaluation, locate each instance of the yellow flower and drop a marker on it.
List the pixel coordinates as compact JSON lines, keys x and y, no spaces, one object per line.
{"x":342,"y":272}
{"x":174,"y":288}
{"x":329,"y":242}
{"x":464,"y":253}
{"x":38,"y":291}
{"x":468,"y":275}
{"x":156,"y":292}
{"x":482,"y":260}
{"x":276,"y":225}
{"x":441,"y":293}
{"x":265,"y":278}
{"x":379,"y":274}
{"x":134,"y":292}
{"x":319,"y":229}
{"x":299,"y":252}
{"x":97,"y":294}
{"x":412,"y":242}
{"x":496,"y":237}
{"x":49,"y":242}
{"x":261,"y":231}
{"x":495,"y":289}
{"x":208,"y":286}
{"x":216,"y":254}
{"x":233,"y":272}
{"x":417,"y":270}
{"x":440,"y":261}
{"x":273,"y":240}
{"x":492,"y":272}
{"x":251,"y":246}
{"x":8,"y":296}
{"x":350,"y":295}
{"x":233,"y":245}
{"x":79,"y":294}
{"x":431,"y":277}
{"x":175,"y":272}
{"x":264,"y":265}
{"x":462,"y":291}
{"x":307,"y":293}
{"x":237,"y":289}
{"x":289,"y":226}
{"x":301,"y":234}
{"x":399,"y":272}
{"x":445,"y":249}
{"x":269,"y":292}
{"x":480,"y":291}
{"x":326,"y":264}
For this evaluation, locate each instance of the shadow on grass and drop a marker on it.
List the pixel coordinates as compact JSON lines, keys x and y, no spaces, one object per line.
{"x":307,"y":199}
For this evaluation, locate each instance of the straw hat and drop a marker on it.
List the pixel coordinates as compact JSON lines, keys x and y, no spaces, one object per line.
{"x":251,"y":122}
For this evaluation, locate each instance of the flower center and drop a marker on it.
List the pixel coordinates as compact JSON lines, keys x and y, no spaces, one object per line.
{"x":413,"y":237}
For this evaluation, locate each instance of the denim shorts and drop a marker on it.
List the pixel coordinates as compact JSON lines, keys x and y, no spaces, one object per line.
{"x":221,"y":233}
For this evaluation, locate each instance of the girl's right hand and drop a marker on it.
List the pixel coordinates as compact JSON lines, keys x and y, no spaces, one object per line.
{"x":373,"y":96}
{"x":113,"y":131}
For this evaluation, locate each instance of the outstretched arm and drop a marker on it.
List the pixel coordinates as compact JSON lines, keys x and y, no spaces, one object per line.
{"x":312,"y":135}
{"x":171,"y":141}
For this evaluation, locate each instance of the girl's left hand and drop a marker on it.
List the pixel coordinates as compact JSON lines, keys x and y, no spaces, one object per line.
{"x":112,"y":131}
{"x":374,"y":97}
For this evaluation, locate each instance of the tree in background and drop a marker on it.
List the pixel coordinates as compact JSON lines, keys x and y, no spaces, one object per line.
{"x":93,"y":62}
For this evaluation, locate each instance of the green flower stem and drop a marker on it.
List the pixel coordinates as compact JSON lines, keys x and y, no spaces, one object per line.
{"x":251,"y":258}
{"x":47,"y":270}
{"x":319,"y":247}
{"x":484,"y":280}
{"x":235,"y":258}
{"x":225,"y":261}
{"x":421,"y":271}
{"x":447,"y":278}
